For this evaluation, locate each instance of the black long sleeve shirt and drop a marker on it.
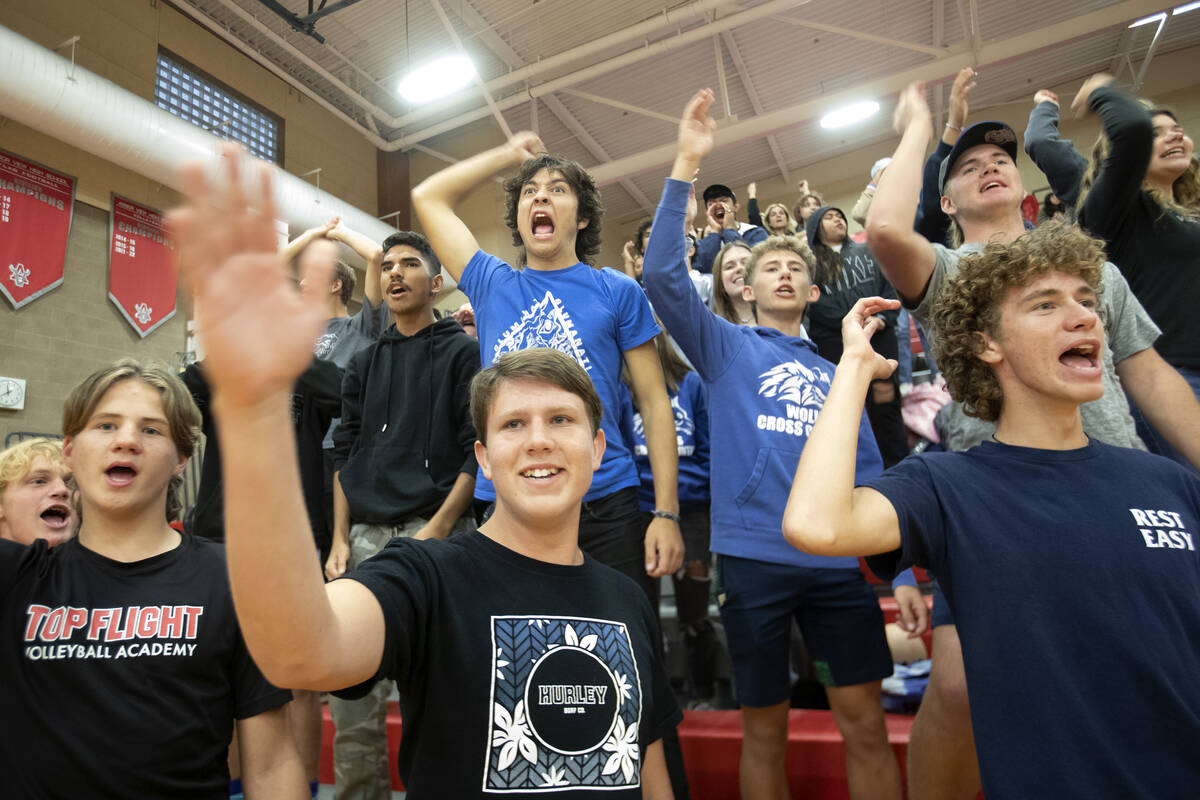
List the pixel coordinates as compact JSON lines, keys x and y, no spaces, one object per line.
{"x":1158,"y":251}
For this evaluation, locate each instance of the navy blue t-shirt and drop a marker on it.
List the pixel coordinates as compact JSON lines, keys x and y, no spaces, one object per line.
{"x":1075,"y":583}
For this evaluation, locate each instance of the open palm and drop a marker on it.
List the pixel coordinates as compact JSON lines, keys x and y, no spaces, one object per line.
{"x":257,"y":329}
{"x":697,"y":130}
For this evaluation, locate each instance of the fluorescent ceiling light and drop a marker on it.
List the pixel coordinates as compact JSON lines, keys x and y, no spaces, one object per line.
{"x":437,"y":78}
{"x":1186,"y":8}
{"x":848,"y":115}
{"x":1159,"y":17}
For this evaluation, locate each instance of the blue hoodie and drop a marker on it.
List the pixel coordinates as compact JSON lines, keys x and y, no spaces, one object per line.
{"x":765,"y":391}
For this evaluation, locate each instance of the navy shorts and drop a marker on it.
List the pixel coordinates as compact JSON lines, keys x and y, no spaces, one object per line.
{"x":940,"y":615}
{"x":836,"y":609}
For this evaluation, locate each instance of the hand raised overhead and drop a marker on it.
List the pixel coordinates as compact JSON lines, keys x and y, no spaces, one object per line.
{"x":1080,"y":104}
{"x":526,"y":145}
{"x":697,"y":130}
{"x":960,"y":90}
{"x":1043,"y":96}
{"x":257,"y":328}
{"x":911,"y":108}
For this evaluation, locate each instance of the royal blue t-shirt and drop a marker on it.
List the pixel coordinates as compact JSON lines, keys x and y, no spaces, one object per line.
{"x":1074,"y":580}
{"x":592,"y":315}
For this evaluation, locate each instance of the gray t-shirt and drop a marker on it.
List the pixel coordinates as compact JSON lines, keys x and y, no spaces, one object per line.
{"x":1128,"y":330}
{"x":345,"y":336}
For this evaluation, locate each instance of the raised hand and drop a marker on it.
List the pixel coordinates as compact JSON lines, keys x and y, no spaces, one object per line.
{"x":911,"y":108}
{"x":526,"y":145}
{"x":1080,"y":104}
{"x":752,"y":190}
{"x":1045,"y":95}
{"x":697,"y":130}
{"x":257,"y":328}
{"x":630,"y":257}
{"x":964,"y":82}
{"x":859,"y":326}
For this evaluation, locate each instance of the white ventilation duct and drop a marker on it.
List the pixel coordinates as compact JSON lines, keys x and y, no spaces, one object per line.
{"x":49,"y":94}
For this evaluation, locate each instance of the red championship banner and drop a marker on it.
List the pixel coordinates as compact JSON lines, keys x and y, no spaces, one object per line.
{"x":36,"y":204}
{"x":141,"y":281}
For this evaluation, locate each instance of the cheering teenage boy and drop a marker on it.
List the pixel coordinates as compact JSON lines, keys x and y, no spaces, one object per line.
{"x":766,"y":384}
{"x":122,"y":670}
{"x":405,"y":458}
{"x":978,"y":185}
{"x":524,"y":666}
{"x":599,"y":317}
{"x":35,"y":496}
{"x":1081,"y":542}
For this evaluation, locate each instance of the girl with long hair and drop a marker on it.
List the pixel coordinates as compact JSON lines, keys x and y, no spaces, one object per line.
{"x":729,"y":269}
{"x":1141,"y":195}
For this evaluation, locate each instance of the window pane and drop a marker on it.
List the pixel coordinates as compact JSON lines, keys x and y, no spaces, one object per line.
{"x":214,"y":108}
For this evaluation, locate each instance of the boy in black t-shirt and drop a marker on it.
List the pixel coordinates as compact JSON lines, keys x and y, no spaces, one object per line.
{"x":123,"y":670}
{"x":1051,"y":547}
{"x":525,"y":667}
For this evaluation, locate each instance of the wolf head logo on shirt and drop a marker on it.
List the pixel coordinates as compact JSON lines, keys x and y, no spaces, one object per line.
{"x":544,"y":324}
{"x":792,"y":382}
{"x":684,"y":427}
{"x":802,"y":392}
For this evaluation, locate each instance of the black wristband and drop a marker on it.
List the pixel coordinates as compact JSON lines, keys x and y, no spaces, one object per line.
{"x":658,"y":512}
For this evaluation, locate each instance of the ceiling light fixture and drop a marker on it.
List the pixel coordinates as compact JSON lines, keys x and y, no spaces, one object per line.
{"x":1159,"y":17}
{"x":435,"y":79}
{"x":1186,"y":8}
{"x":848,"y":115}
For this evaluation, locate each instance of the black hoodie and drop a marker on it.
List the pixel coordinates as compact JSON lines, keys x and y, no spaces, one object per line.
{"x":860,"y":277}
{"x":406,"y":430}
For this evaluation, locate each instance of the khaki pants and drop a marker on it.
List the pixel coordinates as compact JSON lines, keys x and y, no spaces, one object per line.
{"x":360,"y":763}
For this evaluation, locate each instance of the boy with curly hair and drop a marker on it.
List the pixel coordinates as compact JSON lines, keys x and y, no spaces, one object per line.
{"x":978,"y":185}
{"x":35,"y":493}
{"x":1085,"y":541}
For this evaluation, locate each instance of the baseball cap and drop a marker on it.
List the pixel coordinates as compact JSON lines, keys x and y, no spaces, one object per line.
{"x":996,"y":133}
{"x":718,"y":190}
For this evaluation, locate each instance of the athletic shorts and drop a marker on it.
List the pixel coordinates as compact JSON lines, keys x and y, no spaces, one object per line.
{"x":836,"y":609}
{"x":940,"y":615}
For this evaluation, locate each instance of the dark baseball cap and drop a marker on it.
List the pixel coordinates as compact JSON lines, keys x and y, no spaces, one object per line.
{"x":996,"y":133}
{"x":718,"y":190}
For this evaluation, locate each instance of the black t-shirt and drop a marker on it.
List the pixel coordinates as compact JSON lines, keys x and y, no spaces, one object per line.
{"x":1074,"y":578}
{"x":518,"y":677}
{"x":121,"y":680}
